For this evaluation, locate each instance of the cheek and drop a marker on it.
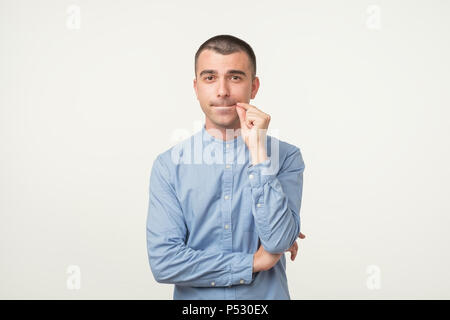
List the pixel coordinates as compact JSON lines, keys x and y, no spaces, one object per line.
{"x":243,"y":91}
{"x":205,"y":97}
{"x":204,"y":92}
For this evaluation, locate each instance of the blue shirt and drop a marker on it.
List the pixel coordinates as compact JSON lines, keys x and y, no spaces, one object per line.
{"x":210,"y":209}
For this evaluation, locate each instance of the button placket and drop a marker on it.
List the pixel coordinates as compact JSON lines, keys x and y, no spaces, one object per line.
{"x":227,"y":201}
{"x":227,"y":187}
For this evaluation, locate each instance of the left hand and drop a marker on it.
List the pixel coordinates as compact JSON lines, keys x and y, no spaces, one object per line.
{"x":254,"y":124}
{"x":294,"y":248}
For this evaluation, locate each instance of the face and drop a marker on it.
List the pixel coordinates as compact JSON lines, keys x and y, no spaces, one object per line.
{"x":221,"y":81}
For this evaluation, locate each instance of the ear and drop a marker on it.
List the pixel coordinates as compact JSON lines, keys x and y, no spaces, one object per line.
{"x":255,"y":87}
{"x":195,"y":87}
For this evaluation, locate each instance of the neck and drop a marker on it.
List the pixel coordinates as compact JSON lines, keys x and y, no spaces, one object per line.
{"x":223,"y":132}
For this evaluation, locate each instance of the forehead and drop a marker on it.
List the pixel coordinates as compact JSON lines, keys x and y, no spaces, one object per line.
{"x":209,"y":59}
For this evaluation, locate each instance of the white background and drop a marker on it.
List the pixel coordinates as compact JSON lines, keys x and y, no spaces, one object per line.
{"x":362,"y":87}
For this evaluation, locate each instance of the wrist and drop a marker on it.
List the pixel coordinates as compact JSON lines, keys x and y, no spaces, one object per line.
{"x":255,"y":264}
{"x":258,"y":154}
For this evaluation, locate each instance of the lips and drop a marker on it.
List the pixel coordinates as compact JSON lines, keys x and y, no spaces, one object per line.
{"x":224,"y":108}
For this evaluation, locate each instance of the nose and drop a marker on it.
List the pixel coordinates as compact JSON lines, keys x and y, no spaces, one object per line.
{"x":223,"y":90}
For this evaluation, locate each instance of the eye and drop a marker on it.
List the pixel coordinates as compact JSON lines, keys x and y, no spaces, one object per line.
{"x":209,"y":78}
{"x":236,"y":77}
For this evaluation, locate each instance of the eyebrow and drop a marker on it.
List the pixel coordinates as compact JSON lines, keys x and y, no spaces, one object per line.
{"x":228,"y":72}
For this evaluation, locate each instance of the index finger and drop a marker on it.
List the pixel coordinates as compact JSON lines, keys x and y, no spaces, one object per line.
{"x":246,"y":106}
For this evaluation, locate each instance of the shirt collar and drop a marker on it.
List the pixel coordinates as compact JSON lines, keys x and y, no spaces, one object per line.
{"x":207,"y":137}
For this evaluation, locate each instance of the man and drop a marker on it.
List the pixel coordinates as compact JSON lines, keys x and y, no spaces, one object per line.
{"x":224,"y":204}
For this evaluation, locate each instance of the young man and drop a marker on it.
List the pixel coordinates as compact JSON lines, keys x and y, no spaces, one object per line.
{"x":224,"y":204}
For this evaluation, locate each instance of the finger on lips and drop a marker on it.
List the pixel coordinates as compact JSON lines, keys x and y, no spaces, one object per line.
{"x":243,"y":105}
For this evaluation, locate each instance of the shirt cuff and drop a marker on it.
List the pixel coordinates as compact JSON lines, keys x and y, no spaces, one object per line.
{"x":261,"y":173}
{"x":242,"y":269}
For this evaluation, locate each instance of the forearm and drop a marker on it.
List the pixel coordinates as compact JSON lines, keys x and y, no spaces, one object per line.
{"x":278,"y":225}
{"x":258,"y":154}
{"x":276,"y":208}
{"x":178,"y":264}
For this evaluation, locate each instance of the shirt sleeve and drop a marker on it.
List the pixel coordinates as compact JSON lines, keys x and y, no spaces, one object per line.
{"x":170,"y":259}
{"x":277,"y":200}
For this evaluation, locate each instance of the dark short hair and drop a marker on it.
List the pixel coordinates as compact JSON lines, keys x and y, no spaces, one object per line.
{"x":227,"y":44}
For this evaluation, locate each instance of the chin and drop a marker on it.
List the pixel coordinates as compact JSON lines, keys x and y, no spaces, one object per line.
{"x":225,"y":121}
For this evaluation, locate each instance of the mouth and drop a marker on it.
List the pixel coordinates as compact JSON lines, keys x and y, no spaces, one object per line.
{"x":224,"y":107}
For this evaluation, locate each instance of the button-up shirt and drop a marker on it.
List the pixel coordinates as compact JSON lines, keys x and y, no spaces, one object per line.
{"x":209,"y":211}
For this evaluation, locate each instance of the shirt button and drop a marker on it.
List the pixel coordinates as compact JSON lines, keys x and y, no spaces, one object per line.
{"x":226,"y":197}
{"x":242,"y":281}
{"x":228,"y":145}
{"x":226,"y":226}
{"x":251,"y":176}
{"x":259,"y":205}
{"x":213,"y":283}
{"x":228,"y":166}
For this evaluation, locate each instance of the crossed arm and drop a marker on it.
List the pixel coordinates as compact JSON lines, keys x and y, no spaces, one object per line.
{"x":277,"y":223}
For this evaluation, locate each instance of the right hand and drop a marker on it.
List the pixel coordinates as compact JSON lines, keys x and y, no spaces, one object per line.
{"x":294,"y":248}
{"x":263,"y":260}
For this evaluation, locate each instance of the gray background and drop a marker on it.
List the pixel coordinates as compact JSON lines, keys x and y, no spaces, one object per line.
{"x":89,"y":100}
